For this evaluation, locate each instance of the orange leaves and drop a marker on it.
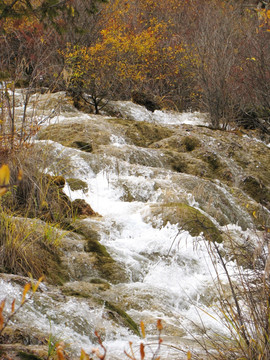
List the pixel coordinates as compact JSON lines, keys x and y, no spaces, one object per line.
{"x":159,"y":325}
{"x":25,"y":291}
{"x":13,"y":306}
{"x":135,"y":45}
{"x":143,"y":329}
{"x":142,"y":353}
{"x":2,"y":305}
{"x":60,"y":351}
{"x":143,"y":347}
{"x":35,"y":286}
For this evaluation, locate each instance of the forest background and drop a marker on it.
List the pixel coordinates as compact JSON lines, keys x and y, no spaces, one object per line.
{"x":206,"y":55}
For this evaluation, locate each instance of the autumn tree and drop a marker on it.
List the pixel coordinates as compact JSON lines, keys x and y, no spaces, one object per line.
{"x":31,"y":34}
{"x":217,"y":46}
{"x":89,"y":74}
{"x":47,"y":10}
{"x":255,"y":109}
{"x":136,"y":49}
{"x":23,"y":60}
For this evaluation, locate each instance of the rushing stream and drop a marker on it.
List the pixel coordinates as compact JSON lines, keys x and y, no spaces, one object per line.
{"x":169,"y":274}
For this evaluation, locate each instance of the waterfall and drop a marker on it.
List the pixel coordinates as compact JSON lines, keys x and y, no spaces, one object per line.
{"x":170,"y":274}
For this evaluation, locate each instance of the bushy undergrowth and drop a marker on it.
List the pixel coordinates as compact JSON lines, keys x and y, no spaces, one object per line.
{"x":242,"y":305}
{"x":30,"y":246}
{"x":37,"y":194}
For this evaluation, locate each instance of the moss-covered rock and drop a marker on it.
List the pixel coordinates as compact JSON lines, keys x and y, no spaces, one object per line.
{"x":256,"y":190}
{"x":121,"y":317}
{"x":83,"y":145}
{"x":80,"y":207}
{"x":188,"y":218}
{"x":213,"y":160}
{"x":85,"y":289}
{"x":190,"y":142}
{"x":258,"y":214}
{"x":31,"y":246}
{"x":82,"y":135}
{"x":142,"y":133}
{"x":93,"y":245}
{"x":28,"y":356}
{"x":77,"y":184}
{"x":145,"y":99}
{"x":96,"y":261}
{"x":16,"y":335}
{"x":179,"y":164}
{"x":85,"y":229}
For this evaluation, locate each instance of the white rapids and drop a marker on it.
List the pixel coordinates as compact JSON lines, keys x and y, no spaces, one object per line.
{"x":171,"y":274}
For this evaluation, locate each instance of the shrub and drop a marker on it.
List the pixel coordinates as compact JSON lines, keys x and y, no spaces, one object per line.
{"x":26,"y":246}
{"x":242,"y":302}
{"x":190,"y":142}
{"x":30,"y":247}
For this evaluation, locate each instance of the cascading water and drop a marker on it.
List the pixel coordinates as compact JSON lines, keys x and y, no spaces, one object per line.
{"x":169,"y":273}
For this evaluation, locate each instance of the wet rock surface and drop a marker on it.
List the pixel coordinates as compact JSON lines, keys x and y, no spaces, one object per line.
{"x":178,"y":176}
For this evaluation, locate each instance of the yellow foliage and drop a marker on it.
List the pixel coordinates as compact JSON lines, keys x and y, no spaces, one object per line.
{"x":20,"y":174}
{"x":134,"y":45}
{"x":35,"y":286}
{"x":264,"y":18}
{"x":4,"y":175}
{"x":25,"y":291}
{"x":143,"y":329}
{"x":84,"y":356}
{"x":4,"y":179}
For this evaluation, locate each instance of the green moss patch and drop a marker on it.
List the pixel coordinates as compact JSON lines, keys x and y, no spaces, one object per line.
{"x":93,"y":245}
{"x":122,"y":317}
{"x":107,"y":268}
{"x":142,"y":133}
{"x":77,"y":184}
{"x":188,"y":218}
{"x":65,"y":134}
